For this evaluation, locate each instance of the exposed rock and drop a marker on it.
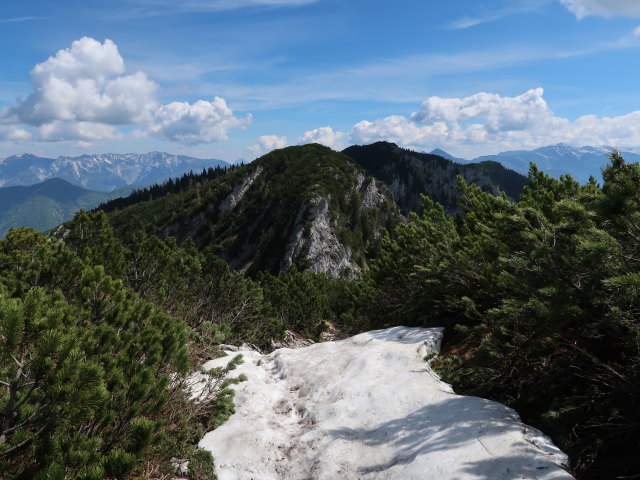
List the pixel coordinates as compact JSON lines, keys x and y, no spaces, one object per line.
{"x":325,"y":253}
{"x":180,"y":466}
{"x":373,"y":197}
{"x":359,"y":180}
{"x":292,"y":340}
{"x":239,"y":190}
{"x":332,"y":333}
{"x":321,"y":248}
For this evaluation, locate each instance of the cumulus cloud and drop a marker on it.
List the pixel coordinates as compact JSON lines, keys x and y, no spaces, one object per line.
{"x":605,"y":8}
{"x":11,"y":132}
{"x":401,"y":130}
{"x":487,"y":122}
{"x":86,"y":83}
{"x":499,"y":113}
{"x":324,"y":136}
{"x":202,"y":121}
{"x":61,"y":130}
{"x":267,"y":143}
{"x":83,"y":93}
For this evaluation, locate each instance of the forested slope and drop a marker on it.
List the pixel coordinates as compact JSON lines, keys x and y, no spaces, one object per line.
{"x":541,"y":301}
{"x":411,"y":174}
{"x":98,"y":339}
{"x":307,"y":206}
{"x":47,"y":204}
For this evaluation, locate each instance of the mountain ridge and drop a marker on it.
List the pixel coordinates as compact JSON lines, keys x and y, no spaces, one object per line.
{"x":47,"y":204}
{"x":555,"y":160}
{"x":102,"y":172}
{"x":306,"y":206}
{"x":409,"y":175}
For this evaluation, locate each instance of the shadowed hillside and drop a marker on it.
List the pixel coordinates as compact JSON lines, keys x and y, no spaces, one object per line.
{"x":410,"y":174}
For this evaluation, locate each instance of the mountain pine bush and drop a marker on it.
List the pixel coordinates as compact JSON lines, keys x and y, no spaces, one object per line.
{"x":542,"y":296}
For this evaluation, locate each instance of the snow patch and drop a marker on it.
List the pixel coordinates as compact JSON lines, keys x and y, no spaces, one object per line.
{"x":369,"y":407}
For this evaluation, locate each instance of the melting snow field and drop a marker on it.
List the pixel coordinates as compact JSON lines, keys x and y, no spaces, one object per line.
{"x":369,"y":407}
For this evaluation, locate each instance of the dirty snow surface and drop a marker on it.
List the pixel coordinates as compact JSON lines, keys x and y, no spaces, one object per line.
{"x":369,"y":407}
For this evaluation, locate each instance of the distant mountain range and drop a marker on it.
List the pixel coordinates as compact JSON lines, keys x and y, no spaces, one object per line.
{"x":555,"y":160}
{"x":82,"y":182}
{"x":47,"y":204}
{"x":105,"y":172}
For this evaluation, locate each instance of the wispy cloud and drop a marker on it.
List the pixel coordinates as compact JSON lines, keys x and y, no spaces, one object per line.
{"x":497,"y":14}
{"x":160,"y":7}
{"x":604,"y":8}
{"x":372,"y":81}
{"x":19,"y":19}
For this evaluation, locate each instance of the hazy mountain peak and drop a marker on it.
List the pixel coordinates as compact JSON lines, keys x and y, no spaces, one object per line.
{"x":104,"y":172}
{"x":443,"y":154}
{"x":555,"y":160}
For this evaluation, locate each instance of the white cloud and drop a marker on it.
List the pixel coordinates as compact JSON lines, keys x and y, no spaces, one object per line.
{"x":61,"y":130}
{"x":199,"y":122}
{"x":499,"y":113}
{"x":488,"y":123}
{"x":605,"y":8}
{"x":267,"y":143}
{"x":83,"y":93}
{"x":401,"y":130}
{"x":495,"y":14}
{"x":11,"y":132}
{"x":325,"y":136}
{"x":86,"y":83}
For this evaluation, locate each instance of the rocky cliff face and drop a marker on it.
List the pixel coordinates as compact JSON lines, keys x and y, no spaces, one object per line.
{"x":411,"y":174}
{"x":314,"y":240}
{"x":239,"y":190}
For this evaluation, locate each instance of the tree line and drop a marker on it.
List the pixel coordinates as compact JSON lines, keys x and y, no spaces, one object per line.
{"x":159,"y":190}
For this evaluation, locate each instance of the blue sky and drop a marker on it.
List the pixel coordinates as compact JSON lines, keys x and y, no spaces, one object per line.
{"x":234,"y":78}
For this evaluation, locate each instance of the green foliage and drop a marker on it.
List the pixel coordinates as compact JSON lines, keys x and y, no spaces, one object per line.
{"x":84,"y":366}
{"x":98,"y":336}
{"x":542,"y":295}
{"x":285,"y":188}
{"x":411,"y":174}
{"x":168,"y":187}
